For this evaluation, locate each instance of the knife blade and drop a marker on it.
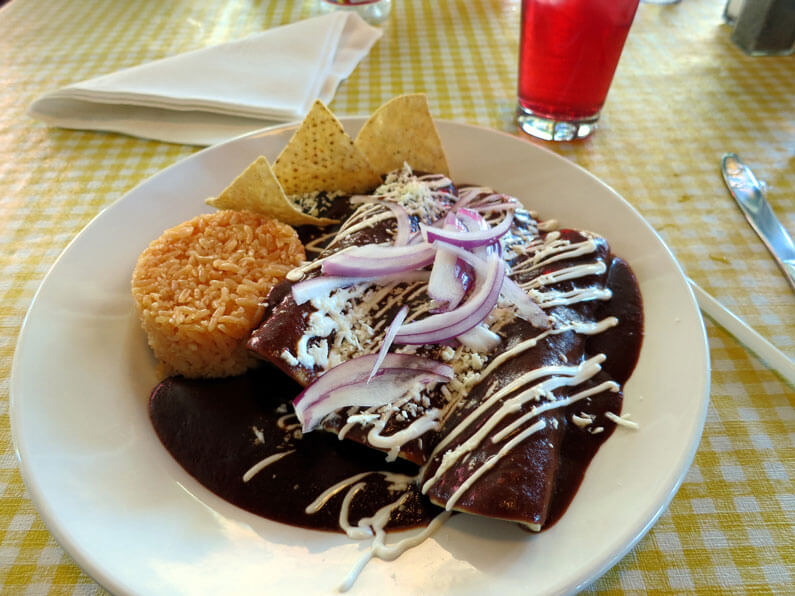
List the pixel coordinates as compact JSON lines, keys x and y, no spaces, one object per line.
{"x":746,"y":190}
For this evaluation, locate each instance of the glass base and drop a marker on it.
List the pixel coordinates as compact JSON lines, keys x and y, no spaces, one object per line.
{"x":550,"y":129}
{"x":372,"y":11}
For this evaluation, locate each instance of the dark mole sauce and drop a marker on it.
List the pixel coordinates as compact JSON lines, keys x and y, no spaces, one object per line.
{"x":208,"y":427}
{"x":621,"y":344}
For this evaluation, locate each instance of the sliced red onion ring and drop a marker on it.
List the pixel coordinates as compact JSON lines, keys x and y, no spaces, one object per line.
{"x":389,"y":336}
{"x":471,"y":219}
{"x":445,"y":285}
{"x":476,"y":197}
{"x":475,"y":221}
{"x":346,"y":385}
{"x":470,"y":239}
{"x":365,"y":261}
{"x":321,"y":286}
{"x":480,"y":339}
{"x":401,"y":216}
{"x":469,"y":194}
{"x":526,"y":308}
{"x":436,"y":181}
{"x":443,"y":326}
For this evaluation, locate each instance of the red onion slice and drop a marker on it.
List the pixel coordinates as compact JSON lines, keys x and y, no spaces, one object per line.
{"x":472,"y":220}
{"x":526,"y":308}
{"x":477,"y":197}
{"x":445,"y":285}
{"x":389,"y":336}
{"x":475,"y":221}
{"x":443,"y":326}
{"x":470,"y":239}
{"x":365,"y":261}
{"x":469,"y":194}
{"x":316,"y":287}
{"x":346,"y":385}
{"x":388,"y":386}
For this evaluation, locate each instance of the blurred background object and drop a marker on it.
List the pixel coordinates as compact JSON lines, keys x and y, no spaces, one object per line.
{"x":372,"y":11}
{"x":765,"y":27}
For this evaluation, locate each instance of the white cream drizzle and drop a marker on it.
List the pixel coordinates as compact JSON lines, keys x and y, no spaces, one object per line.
{"x":390,"y":552}
{"x":259,"y":466}
{"x":358,"y":532}
{"x":285,"y":424}
{"x":492,"y":461}
{"x":418,"y":427}
{"x":622,"y":420}
{"x":560,"y":403}
{"x":582,"y":419}
{"x":557,"y":376}
{"x":324,"y":497}
{"x":374,"y":526}
{"x":565,"y":274}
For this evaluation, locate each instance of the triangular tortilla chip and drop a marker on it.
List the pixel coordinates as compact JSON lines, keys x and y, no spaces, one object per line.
{"x":402,"y":130}
{"x":321,"y":156}
{"x":257,"y":189}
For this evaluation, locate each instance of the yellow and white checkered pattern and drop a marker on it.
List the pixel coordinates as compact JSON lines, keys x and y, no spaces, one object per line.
{"x":683,"y":95}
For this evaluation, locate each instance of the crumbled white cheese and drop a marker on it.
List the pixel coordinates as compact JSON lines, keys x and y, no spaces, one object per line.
{"x":447,"y":353}
{"x":289,"y":358}
{"x":311,"y":355}
{"x":315,"y":203}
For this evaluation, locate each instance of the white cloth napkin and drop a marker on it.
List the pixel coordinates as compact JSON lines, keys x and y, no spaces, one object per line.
{"x":216,"y":93}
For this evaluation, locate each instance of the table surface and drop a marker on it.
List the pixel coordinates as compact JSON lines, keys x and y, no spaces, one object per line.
{"x":682,"y":96}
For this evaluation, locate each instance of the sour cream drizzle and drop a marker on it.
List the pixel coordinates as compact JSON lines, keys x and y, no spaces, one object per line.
{"x":492,"y":461}
{"x":389,"y":552}
{"x":554,"y":377}
{"x":259,"y":466}
{"x":374,"y":526}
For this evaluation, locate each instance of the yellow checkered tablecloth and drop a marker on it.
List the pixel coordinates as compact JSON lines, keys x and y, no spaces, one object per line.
{"x":683,"y":95}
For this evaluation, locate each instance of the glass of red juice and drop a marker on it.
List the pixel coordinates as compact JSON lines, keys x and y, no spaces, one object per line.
{"x":568,"y":54}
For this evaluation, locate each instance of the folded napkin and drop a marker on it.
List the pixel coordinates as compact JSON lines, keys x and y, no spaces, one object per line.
{"x":212,"y":94}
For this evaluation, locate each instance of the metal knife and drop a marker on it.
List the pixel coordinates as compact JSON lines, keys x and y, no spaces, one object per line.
{"x":746,"y":190}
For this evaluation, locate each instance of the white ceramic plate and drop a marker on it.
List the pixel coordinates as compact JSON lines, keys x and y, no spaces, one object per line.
{"x":136,"y":522}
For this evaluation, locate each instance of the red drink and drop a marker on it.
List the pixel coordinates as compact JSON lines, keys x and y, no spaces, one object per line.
{"x":568,"y":53}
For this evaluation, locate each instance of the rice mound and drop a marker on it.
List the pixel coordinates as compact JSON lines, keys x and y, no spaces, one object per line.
{"x":199,"y":289}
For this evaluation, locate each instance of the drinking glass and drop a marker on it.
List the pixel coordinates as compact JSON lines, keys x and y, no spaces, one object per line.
{"x":568,"y":54}
{"x":372,"y":11}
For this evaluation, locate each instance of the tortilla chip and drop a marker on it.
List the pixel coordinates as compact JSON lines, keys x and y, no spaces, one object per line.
{"x":321,"y":156}
{"x":402,"y":130}
{"x":257,"y":189}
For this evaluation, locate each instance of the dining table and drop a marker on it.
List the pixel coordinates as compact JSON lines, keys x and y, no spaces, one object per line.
{"x":683,"y":95}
